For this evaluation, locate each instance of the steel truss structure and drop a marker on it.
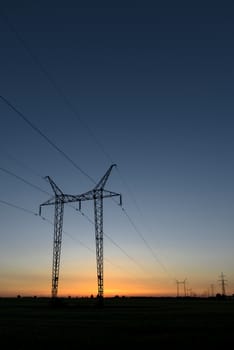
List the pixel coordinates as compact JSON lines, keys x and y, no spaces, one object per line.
{"x":97,"y":194}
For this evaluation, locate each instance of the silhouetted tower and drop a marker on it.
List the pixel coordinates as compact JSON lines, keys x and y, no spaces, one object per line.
{"x":223,"y":283}
{"x":178,"y":284}
{"x":97,"y":194}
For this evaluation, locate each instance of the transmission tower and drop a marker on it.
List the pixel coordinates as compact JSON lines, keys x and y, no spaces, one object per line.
{"x":97,"y":194}
{"x":223,"y":283}
{"x":181,"y":282}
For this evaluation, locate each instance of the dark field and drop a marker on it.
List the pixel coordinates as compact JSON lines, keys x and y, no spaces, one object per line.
{"x":150,"y":322}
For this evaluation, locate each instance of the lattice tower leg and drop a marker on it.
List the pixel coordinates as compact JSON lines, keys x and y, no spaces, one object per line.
{"x":98,"y":213}
{"x":58,"y":228}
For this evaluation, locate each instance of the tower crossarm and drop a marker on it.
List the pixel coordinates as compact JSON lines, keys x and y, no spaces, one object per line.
{"x":65,"y":198}
{"x":106,"y":194}
{"x":51,"y":201}
{"x":95,"y":194}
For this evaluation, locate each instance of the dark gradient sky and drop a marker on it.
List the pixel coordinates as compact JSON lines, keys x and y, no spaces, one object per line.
{"x":145,"y":85}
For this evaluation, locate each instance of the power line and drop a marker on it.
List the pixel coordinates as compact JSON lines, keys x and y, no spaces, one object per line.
{"x":145,"y":242}
{"x":39,"y":189}
{"x":35,"y":128}
{"x":137,"y":230}
{"x":58,"y":90}
{"x":22,"y":164}
{"x":44,"y":219}
{"x":18,"y":207}
{"x":23,"y":180}
{"x":69,"y":159}
{"x":28,"y":211}
{"x":55,"y":85}
{"x":117,"y":245}
{"x":77,"y":210}
{"x":70,"y":106}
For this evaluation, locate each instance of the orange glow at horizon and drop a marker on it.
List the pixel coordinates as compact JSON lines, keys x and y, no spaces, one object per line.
{"x":74,"y":285}
{"x":84,"y":288}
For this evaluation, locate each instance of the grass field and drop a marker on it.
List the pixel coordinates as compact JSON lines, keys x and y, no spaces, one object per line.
{"x":29,"y":323}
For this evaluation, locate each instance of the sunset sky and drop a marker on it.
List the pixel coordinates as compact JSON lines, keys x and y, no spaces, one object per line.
{"x":145,"y":85}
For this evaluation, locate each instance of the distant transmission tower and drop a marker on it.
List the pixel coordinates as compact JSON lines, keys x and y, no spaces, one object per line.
{"x":223,"y":283}
{"x":178,"y":287}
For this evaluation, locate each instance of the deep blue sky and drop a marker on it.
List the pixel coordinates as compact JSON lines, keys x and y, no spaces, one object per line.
{"x":145,"y":85}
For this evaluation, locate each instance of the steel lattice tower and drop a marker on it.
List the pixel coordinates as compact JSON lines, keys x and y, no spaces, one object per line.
{"x":181,"y":282}
{"x":97,"y":194}
{"x":223,"y":283}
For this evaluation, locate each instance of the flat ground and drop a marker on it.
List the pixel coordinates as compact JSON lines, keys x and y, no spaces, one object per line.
{"x":29,"y":323}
